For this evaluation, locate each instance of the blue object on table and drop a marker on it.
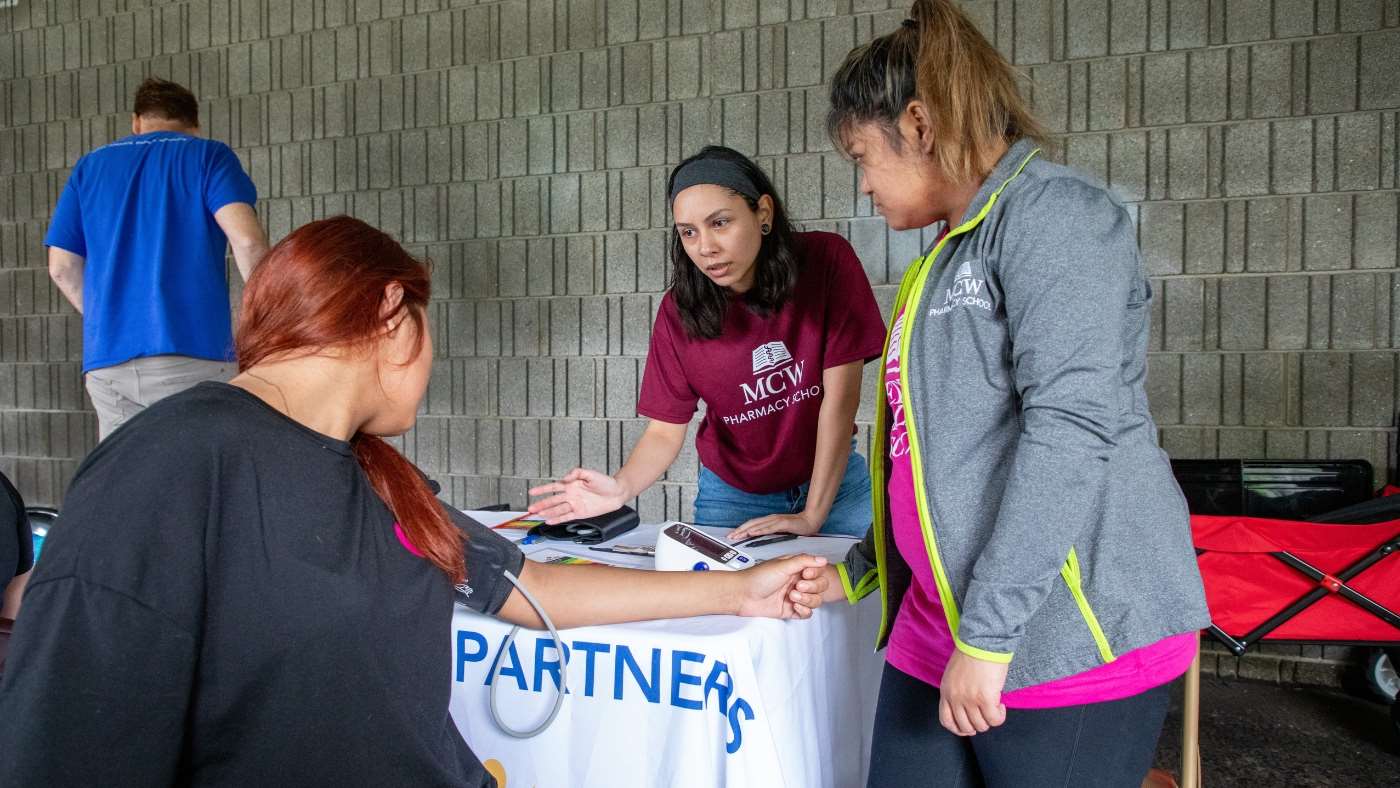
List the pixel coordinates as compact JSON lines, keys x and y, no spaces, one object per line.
{"x":41,"y":518}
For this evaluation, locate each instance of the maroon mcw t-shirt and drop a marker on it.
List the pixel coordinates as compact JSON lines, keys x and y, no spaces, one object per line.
{"x":761,"y":379}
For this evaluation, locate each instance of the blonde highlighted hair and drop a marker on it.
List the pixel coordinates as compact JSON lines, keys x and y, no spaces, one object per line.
{"x":940,"y":58}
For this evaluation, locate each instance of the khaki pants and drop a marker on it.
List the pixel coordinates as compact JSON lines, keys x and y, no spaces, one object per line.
{"x":123,"y":390}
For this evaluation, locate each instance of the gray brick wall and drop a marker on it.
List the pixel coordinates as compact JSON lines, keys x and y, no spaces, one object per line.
{"x":523,"y":146}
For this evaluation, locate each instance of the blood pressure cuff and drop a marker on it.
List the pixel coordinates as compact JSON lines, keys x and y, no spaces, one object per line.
{"x":488,"y":555}
{"x":590,"y":530}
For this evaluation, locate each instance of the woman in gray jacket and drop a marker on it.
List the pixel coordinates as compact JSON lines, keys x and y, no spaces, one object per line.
{"x":1030,"y":545}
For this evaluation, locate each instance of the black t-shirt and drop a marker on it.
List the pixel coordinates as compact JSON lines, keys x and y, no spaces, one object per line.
{"x":224,"y":602}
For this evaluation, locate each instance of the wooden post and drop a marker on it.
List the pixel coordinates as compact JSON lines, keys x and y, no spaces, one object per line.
{"x":1190,"y":724}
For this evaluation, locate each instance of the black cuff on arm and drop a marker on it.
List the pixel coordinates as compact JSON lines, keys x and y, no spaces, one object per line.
{"x":488,"y":556}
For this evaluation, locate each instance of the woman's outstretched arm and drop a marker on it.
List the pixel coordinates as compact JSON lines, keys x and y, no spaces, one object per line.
{"x":576,"y":596}
{"x":586,"y":493}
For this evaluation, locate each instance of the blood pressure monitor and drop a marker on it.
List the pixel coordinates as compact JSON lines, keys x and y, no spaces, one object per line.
{"x":681,"y":547}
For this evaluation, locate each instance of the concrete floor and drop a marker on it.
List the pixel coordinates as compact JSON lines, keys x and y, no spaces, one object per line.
{"x":1266,"y":735}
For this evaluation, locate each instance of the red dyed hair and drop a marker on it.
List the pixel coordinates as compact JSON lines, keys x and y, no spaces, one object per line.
{"x":323,"y":287}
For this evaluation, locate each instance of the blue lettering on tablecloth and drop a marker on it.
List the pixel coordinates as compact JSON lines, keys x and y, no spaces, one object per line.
{"x":644,"y":670}
{"x":650,"y":687}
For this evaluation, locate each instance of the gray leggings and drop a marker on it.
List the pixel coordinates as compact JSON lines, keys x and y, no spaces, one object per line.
{"x":1098,"y":744}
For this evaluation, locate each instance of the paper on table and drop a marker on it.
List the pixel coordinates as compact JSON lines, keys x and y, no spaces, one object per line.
{"x":549,"y":555}
{"x":833,"y":548}
{"x":501,"y":523}
{"x":551,"y":552}
{"x":490,"y":519}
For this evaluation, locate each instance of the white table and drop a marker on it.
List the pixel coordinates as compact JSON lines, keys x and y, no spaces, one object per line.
{"x":710,"y":701}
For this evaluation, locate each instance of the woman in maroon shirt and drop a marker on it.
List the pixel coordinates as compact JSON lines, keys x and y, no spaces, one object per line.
{"x":770,"y":328}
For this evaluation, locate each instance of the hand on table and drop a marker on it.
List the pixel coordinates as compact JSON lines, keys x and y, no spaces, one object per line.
{"x":789,"y":587}
{"x":970,"y":694}
{"x":581,"y":493}
{"x":799,"y":524}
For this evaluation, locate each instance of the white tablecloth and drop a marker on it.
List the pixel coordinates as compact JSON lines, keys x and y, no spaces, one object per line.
{"x":710,"y":701}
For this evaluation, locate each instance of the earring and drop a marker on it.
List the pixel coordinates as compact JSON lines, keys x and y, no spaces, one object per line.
{"x":764,"y":228}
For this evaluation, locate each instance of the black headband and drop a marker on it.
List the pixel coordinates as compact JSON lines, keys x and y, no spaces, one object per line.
{"x":716,"y":172}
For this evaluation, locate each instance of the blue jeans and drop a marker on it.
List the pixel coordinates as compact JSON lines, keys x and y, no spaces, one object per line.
{"x":720,"y":504}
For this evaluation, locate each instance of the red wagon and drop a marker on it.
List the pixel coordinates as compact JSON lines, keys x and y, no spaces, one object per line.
{"x":1290,"y":581}
{"x":1299,"y":582}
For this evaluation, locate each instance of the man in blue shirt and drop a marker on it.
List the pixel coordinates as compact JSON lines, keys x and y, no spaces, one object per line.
{"x":137,"y":243}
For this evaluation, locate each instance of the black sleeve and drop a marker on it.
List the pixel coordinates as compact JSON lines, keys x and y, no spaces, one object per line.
{"x":16,"y":542}
{"x":488,"y":555}
{"x":96,"y":690}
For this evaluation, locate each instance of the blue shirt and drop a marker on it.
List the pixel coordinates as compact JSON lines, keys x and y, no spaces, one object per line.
{"x":141,"y":212}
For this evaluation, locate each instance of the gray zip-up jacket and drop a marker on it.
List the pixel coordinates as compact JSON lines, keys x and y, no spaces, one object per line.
{"x":1055,"y":530}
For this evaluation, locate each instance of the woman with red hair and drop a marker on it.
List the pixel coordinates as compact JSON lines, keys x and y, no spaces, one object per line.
{"x":248,"y":586}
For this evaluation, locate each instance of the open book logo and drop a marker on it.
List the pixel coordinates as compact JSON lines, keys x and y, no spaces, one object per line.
{"x":770,"y":355}
{"x":968,"y":290}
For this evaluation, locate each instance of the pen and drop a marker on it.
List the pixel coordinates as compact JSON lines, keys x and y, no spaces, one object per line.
{"x":638,"y":550}
{"x":760,"y":541}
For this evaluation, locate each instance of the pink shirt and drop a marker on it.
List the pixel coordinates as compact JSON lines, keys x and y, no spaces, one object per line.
{"x":920,"y":642}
